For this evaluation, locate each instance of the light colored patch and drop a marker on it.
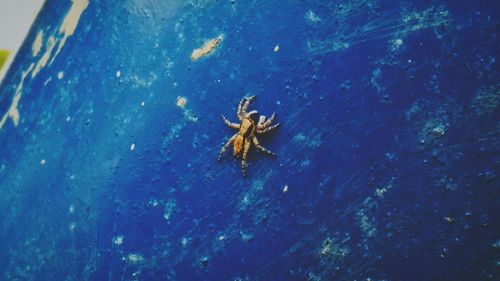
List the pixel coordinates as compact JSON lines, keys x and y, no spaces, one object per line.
{"x":60,"y":75}
{"x":42,"y":62}
{"x":207,"y":48}
{"x":181,"y":102}
{"x":380,"y":192}
{"x":132,"y":147}
{"x":134,"y":258}
{"x":37,"y":44}
{"x":13,"y":112}
{"x":169,"y":209}
{"x":188,"y":114}
{"x":70,"y":23}
{"x":331,"y":247}
{"x":276,"y":48}
{"x":312,"y":18}
{"x":117,"y":240}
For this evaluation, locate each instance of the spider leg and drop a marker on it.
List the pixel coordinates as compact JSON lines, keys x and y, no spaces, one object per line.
{"x":228,"y":143}
{"x":260,"y":147}
{"x":267,"y":123}
{"x":268,"y":129}
{"x":244,"y":158}
{"x":245,"y":106}
{"x":229,"y":124}
{"x":240,"y":116}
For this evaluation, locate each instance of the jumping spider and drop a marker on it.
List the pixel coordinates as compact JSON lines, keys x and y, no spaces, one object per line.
{"x":247,"y":131}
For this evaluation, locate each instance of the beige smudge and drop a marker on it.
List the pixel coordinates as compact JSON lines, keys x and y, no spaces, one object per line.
{"x":37,"y":44}
{"x":42,"y":62}
{"x":70,"y":22}
{"x":181,"y":102}
{"x":207,"y":48}
{"x":13,"y":112}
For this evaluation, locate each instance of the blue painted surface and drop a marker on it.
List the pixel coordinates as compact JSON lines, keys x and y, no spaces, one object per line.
{"x":388,"y":143}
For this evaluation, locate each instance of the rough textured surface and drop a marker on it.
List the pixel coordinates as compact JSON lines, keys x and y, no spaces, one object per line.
{"x":387,"y":164}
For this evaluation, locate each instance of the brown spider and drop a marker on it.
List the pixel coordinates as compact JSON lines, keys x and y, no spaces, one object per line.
{"x":247,"y":131}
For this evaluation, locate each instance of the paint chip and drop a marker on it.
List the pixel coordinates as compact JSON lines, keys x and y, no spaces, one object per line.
{"x":276,"y":48}
{"x":207,"y":48}
{"x":37,"y":44}
{"x":181,"y":102}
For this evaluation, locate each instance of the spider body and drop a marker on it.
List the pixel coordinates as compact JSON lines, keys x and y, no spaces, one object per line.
{"x":248,"y":129}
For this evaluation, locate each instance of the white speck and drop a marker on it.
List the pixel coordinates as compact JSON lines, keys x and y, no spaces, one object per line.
{"x":410,"y":61}
{"x":72,"y":226}
{"x":142,"y":103}
{"x":42,"y":162}
{"x":398,"y":42}
{"x":118,"y":73}
{"x":221,"y":237}
{"x":132,"y":147}
{"x":184,"y":241}
{"x":71,"y":209}
{"x":68,"y":119}
{"x":60,"y":75}
{"x":135,"y":258}
{"x":278,"y":102}
{"x":285,"y":189}
{"x":118,"y":240}
{"x":276,"y":48}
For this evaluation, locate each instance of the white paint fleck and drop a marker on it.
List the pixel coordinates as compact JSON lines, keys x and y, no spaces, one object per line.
{"x":285,"y":189}
{"x":276,"y":48}
{"x":117,"y":240}
{"x":135,"y":258}
{"x":118,"y":73}
{"x":142,"y":103}
{"x":37,"y":44}
{"x":132,"y":147}
{"x":60,"y":75}
{"x":42,"y":162}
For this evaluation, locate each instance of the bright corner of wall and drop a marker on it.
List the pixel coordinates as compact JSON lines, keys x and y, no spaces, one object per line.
{"x":16,"y":18}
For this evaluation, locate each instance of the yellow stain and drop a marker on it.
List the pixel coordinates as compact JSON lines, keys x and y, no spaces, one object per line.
{"x":4,"y":54}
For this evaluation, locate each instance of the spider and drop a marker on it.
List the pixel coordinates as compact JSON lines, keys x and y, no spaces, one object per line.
{"x":247,"y":133}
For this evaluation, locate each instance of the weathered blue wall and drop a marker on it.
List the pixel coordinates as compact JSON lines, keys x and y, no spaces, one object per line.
{"x":388,"y":142}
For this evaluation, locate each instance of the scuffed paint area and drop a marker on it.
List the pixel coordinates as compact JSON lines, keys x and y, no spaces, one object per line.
{"x":386,"y":164}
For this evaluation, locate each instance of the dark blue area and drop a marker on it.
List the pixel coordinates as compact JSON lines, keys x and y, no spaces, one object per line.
{"x":388,"y":143}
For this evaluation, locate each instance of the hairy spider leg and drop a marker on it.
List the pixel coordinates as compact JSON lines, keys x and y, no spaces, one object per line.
{"x":230,"y":124}
{"x":260,"y":147}
{"x":244,"y":158}
{"x":268,"y":122}
{"x":245,"y":106}
{"x":228,"y":143}
{"x":240,"y":106}
{"x":268,"y":129}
